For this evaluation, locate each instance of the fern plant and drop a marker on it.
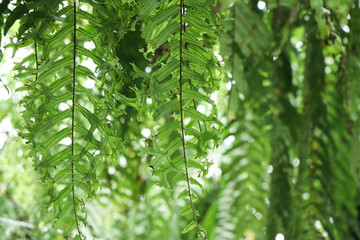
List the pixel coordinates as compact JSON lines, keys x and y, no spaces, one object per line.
{"x":68,"y":125}
{"x":178,"y":35}
{"x":100,"y":117}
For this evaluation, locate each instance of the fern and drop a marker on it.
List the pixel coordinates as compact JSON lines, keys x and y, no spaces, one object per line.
{"x":58,"y":108}
{"x":289,"y":105}
{"x":177,"y":57}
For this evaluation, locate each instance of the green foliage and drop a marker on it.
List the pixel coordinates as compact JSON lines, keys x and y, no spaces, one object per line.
{"x":180,"y":119}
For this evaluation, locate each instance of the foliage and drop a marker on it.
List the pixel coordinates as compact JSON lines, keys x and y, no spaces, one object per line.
{"x":180,"y":119}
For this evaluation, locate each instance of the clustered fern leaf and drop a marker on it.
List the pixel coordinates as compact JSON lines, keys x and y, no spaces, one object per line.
{"x":68,"y":124}
{"x":183,"y":75}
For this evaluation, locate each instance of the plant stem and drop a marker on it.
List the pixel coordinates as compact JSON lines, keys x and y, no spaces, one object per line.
{"x":182,"y":11}
{"x":73,"y":126}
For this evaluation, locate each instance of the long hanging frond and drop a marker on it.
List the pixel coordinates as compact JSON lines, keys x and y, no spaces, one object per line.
{"x":67,"y":123}
{"x":183,"y":75}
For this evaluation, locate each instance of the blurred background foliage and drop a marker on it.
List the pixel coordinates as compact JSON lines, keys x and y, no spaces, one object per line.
{"x":288,"y":165}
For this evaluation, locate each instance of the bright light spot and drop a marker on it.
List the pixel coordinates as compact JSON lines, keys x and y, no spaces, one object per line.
{"x":317,"y":224}
{"x":258,"y":216}
{"x":295,"y":66}
{"x":306,"y":17}
{"x":122,"y":161}
{"x":345,"y":28}
{"x":21,"y":53}
{"x":279,"y":236}
{"x":97,"y":152}
{"x":348,"y":17}
{"x":148,"y":69}
{"x":331,"y":220}
{"x":186,"y":121}
{"x":89,"y":83}
{"x":242,"y":176}
{"x":218,"y":56}
{"x":223,"y":120}
{"x":213,"y":96}
{"x":4,"y":94}
{"x":298,"y":45}
{"x":229,"y":140}
{"x":306,"y":196}
{"x":66,"y":41}
{"x":146,"y":132}
{"x":228,"y":86}
{"x":296,"y":162}
{"x":89,"y":45}
{"x":214,"y":171}
{"x":95,"y":131}
{"x":109,"y":118}
{"x":270,"y":169}
{"x":111,"y":170}
{"x":261,"y":5}
{"x":89,"y":63}
{"x":329,"y":60}
{"x":3,"y":138}
{"x":327,"y":70}
{"x":232,"y":130}
{"x":20,"y":168}
{"x":201,"y":109}
{"x":5,"y":66}
{"x":148,"y":100}
{"x":63,"y":106}
{"x":242,"y":96}
{"x":20,"y":153}
{"x":66,"y":141}
{"x":229,"y":75}
{"x":84,"y":8}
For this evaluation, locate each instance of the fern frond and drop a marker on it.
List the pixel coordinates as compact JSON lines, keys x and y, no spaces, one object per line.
{"x":241,"y":207}
{"x":180,"y":68}
{"x":66,"y":122}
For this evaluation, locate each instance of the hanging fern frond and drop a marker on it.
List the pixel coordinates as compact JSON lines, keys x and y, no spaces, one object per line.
{"x":244,"y":41}
{"x":68,"y":124}
{"x":182,"y":77}
{"x":242,"y":208}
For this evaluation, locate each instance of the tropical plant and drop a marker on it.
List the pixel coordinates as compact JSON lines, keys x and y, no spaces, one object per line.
{"x":180,"y":119}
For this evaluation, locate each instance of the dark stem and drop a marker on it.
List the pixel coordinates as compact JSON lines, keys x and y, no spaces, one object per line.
{"x":73,"y":126}
{"x":182,"y":11}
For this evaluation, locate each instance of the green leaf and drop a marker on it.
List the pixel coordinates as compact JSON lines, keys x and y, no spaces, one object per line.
{"x":194,"y":181}
{"x":183,"y":194}
{"x":189,"y":227}
{"x":16,"y":14}
{"x":188,"y":210}
{"x":166,"y":108}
